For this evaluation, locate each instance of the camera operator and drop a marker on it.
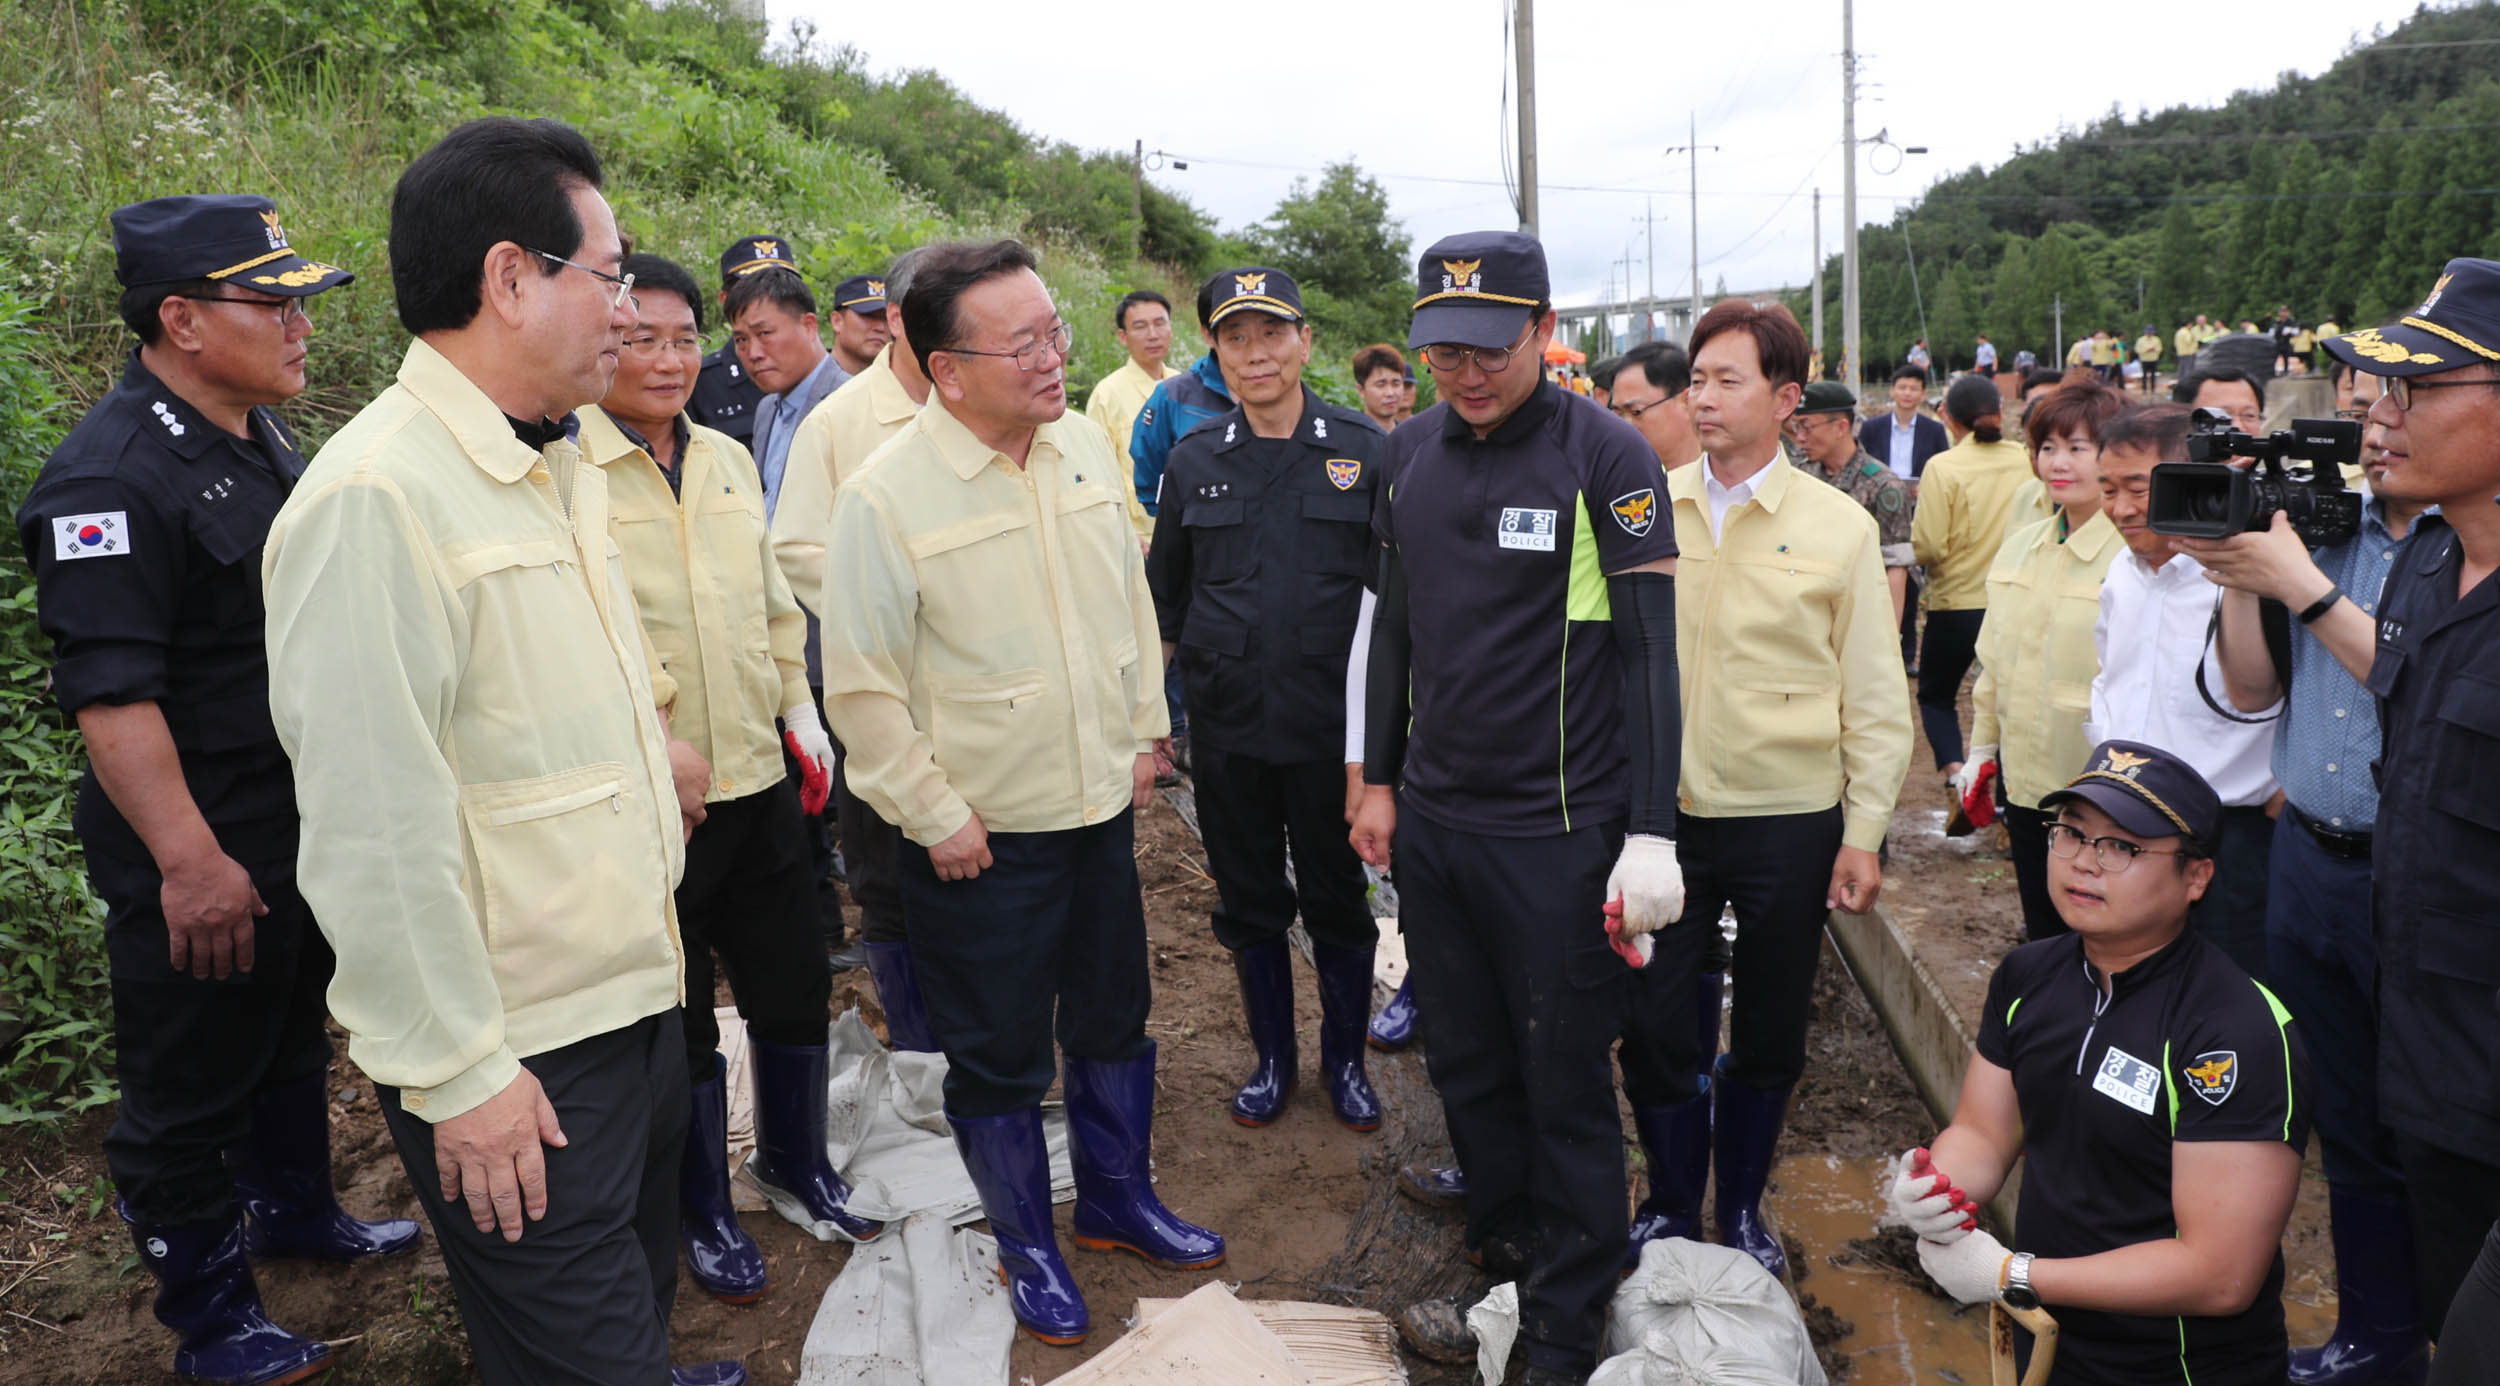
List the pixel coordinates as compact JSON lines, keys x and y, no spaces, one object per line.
{"x":2320,"y":955}
{"x":2437,"y":850}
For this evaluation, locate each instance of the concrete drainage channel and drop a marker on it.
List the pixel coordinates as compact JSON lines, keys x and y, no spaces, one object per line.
{"x":1884,"y":1064}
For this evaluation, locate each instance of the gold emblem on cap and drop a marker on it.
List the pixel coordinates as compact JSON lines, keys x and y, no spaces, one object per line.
{"x":768,"y":250}
{"x":2125,"y":763}
{"x":1463,"y":272}
{"x":876,"y":288}
{"x":1249,"y":284}
{"x":2436,"y":290}
{"x":2368,"y":342}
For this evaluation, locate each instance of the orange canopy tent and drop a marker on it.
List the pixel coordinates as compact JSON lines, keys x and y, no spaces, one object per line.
{"x":1556,"y":354}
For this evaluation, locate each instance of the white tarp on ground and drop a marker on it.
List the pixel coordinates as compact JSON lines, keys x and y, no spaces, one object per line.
{"x":1333,"y":1344}
{"x":1205,"y":1338}
{"x":1694,"y":1314}
{"x":921,"y":1304}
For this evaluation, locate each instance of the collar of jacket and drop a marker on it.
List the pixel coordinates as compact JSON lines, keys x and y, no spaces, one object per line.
{"x":476,"y":422}
{"x":965,"y":454}
{"x":886,"y":396}
{"x":1769,"y":484}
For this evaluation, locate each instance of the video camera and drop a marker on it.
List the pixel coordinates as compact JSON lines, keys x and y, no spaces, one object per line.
{"x":2207,"y":498}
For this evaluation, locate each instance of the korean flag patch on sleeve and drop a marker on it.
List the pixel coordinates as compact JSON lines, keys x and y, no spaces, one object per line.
{"x":91,"y":536}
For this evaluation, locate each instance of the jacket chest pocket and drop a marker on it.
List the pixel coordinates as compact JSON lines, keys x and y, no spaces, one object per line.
{"x":231,"y":534}
{"x":1335,"y":533}
{"x":2462,"y":783}
{"x":729,"y":523}
{"x":1220,"y":547}
{"x":558,"y":859}
{"x":962,"y":567}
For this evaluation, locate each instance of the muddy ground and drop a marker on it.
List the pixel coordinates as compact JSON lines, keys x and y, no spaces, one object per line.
{"x":1306,"y":1205}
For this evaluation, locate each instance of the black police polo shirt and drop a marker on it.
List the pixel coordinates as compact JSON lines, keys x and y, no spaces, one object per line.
{"x":1506,"y":542}
{"x":2435,"y":873}
{"x":2184,"y":1048}
{"x":725,"y":396}
{"x":1257,"y":568}
{"x":144,"y":530}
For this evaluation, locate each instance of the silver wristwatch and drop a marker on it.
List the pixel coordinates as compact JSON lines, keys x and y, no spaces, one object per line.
{"x":2018,"y":1291}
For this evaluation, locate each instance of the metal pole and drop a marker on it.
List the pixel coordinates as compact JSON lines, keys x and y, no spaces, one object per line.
{"x":1852,"y":369}
{"x":1523,"y":36}
{"x":1137,"y":193}
{"x":1649,"y":305}
{"x":1818,"y":271}
{"x":1692,"y":167}
{"x":2057,"y":329}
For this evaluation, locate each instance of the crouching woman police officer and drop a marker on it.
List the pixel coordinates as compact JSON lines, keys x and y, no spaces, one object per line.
{"x":2161,"y":1095}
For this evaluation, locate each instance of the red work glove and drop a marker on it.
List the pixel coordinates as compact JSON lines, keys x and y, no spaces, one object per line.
{"x":805,"y":735}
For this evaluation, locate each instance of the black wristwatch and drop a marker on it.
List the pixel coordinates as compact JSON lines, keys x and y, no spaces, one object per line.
{"x":2322,"y":605}
{"x":2018,"y":1292}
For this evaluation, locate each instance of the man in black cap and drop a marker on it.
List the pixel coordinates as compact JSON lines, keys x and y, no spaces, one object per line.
{"x":1177,"y":404}
{"x":725,"y":396}
{"x":1527,"y":600}
{"x":2436,"y":847}
{"x":859,"y":327}
{"x":1824,"y":429}
{"x":1259,"y":549}
{"x":144,"y":530}
{"x":2161,"y":1096}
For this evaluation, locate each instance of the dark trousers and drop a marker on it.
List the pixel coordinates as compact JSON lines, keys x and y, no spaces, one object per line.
{"x":2469,"y":1347}
{"x":1248,"y":810}
{"x":1909,"y":620}
{"x":816,"y":830}
{"x":1776,"y":871}
{"x":2027,"y":844}
{"x":1520,"y":1001}
{"x":191,"y":1054}
{"x":748,"y":895}
{"x":868,"y":847}
{"x":2322,"y":960}
{"x":1943,"y":661}
{"x":2452,"y":1200}
{"x":2233,"y":911}
{"x":583,"y":1297}
{"x":1050,"y":938}
{"x":1172,"y":700}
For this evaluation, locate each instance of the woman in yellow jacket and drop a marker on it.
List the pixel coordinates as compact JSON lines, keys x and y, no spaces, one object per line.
{"x":2036,"y":652}
{"x":1963,"y":499}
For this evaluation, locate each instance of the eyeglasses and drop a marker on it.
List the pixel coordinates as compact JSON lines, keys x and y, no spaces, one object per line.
{"x":1450,"y":356}
{"x":288,"y":311}
{"x":1634,"y":411}
{"x":647,"y":347}
{"x":624,"y":282}
{"x":2400,"y":389}
{"x":2115,"y":854}
{"x":1029,"y":356}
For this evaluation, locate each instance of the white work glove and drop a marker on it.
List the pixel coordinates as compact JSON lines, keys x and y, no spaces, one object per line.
{"x":1650,"y":884}
{"x":1972,"y":1270}
{"x":1919,"y":1197}
{"x":804,"y":733}
{"x":1979,"y":758}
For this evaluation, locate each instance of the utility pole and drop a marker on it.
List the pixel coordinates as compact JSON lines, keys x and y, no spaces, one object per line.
{"x":1649,"y":304}
{"x":1818,"y":270}
{"x":2057,"y":330}
{"x":1523,"y":36}
{"x":1137,"y":193}
{"x":1691,"y":150}
{"x":1852,"y":368}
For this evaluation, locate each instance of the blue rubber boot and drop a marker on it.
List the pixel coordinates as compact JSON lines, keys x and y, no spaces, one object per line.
{"x":1010,"y":1168}
{"x":709,"y":1374}
{"x":1345,"y":995}
{"x":898,"y":992}
{"x":1394,"y":1028}
{"x":2379,"y":1336}
{"x":1745,"y":1131}
{"x":725,"y":1261}
{"x":283,"y":1180}
{"x":1266,"y":971}
{"x":1434,"y":1186}
{"x":790,"y":1134}
{"x":207,"y":1297}
{"x":1677,"y":1140}
{"x":1111,"y":1142}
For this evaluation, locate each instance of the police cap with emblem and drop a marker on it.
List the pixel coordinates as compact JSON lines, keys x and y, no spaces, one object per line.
{"x":748,"y":254}
{"x":861,"y":293}
{"x":1478,"y":289}
{"x":1254,"y":288}
{"x":1827,"y":397}
{"x":2458,"y":325}
{"x":2146,"y":791}
{"x":229,"y":238}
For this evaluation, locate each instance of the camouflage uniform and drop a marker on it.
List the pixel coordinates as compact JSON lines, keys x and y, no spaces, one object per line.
{"x":1886,"y":497}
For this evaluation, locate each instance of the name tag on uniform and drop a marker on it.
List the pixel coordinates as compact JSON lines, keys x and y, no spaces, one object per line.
{"x":2128,"y":1079}
{"x":1527,"y":529}
{"x":105,"y":532}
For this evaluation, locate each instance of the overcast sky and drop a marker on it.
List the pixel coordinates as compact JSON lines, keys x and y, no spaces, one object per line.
{"x":1253,"y":94}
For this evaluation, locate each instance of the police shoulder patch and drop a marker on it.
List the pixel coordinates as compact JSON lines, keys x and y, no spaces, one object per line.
{"x":102,"y":534}
{"x":1636,"y":511}
{"x":2214,"y":1074}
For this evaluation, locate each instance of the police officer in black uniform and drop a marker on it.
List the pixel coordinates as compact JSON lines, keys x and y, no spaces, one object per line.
{"x":725,"y":396}
{"x":144,"y":531}
{"x":2160,"y":1097}
{"x":2435,"y":872}
{"x":1527,"y":601}
{"x":1256,"y":566}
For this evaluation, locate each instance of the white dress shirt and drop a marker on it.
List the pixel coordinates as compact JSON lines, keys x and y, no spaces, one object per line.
{"x":1725,"y":498}
{"x":2151,"y":636}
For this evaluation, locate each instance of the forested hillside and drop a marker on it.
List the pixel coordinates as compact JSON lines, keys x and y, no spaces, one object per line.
{"x":2339,"y":195}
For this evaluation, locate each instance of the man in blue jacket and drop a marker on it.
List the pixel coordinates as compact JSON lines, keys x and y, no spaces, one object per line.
{"x":1179,"y":404}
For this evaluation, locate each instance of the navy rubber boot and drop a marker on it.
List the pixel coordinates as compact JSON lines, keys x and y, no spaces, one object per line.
{"x":1010,"y":1168}
{"x":1677,"y":1140}
{"x":1434,"y":1186}
{"x":1394,"y":1028}
{"x":725,"y":1261}
{"x":1266,"y":971}
{"x":898,"y":992}
{"x":1345,"y":996}
{"x":2379,"y":1335}
{"x":709,"y":1374}
{"x":790,"y":1134}
{"x":1111,"y":1143}
{"x":206,"y":1295}
{"x":283,"y":1180}
{"x":1745,"y":1132}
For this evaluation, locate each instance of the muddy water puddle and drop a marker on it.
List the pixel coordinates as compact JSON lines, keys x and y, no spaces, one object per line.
{"x":1900,"y":1334}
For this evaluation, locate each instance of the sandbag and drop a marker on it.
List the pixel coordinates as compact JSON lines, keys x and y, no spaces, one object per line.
{"x":1694,"y":1314}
